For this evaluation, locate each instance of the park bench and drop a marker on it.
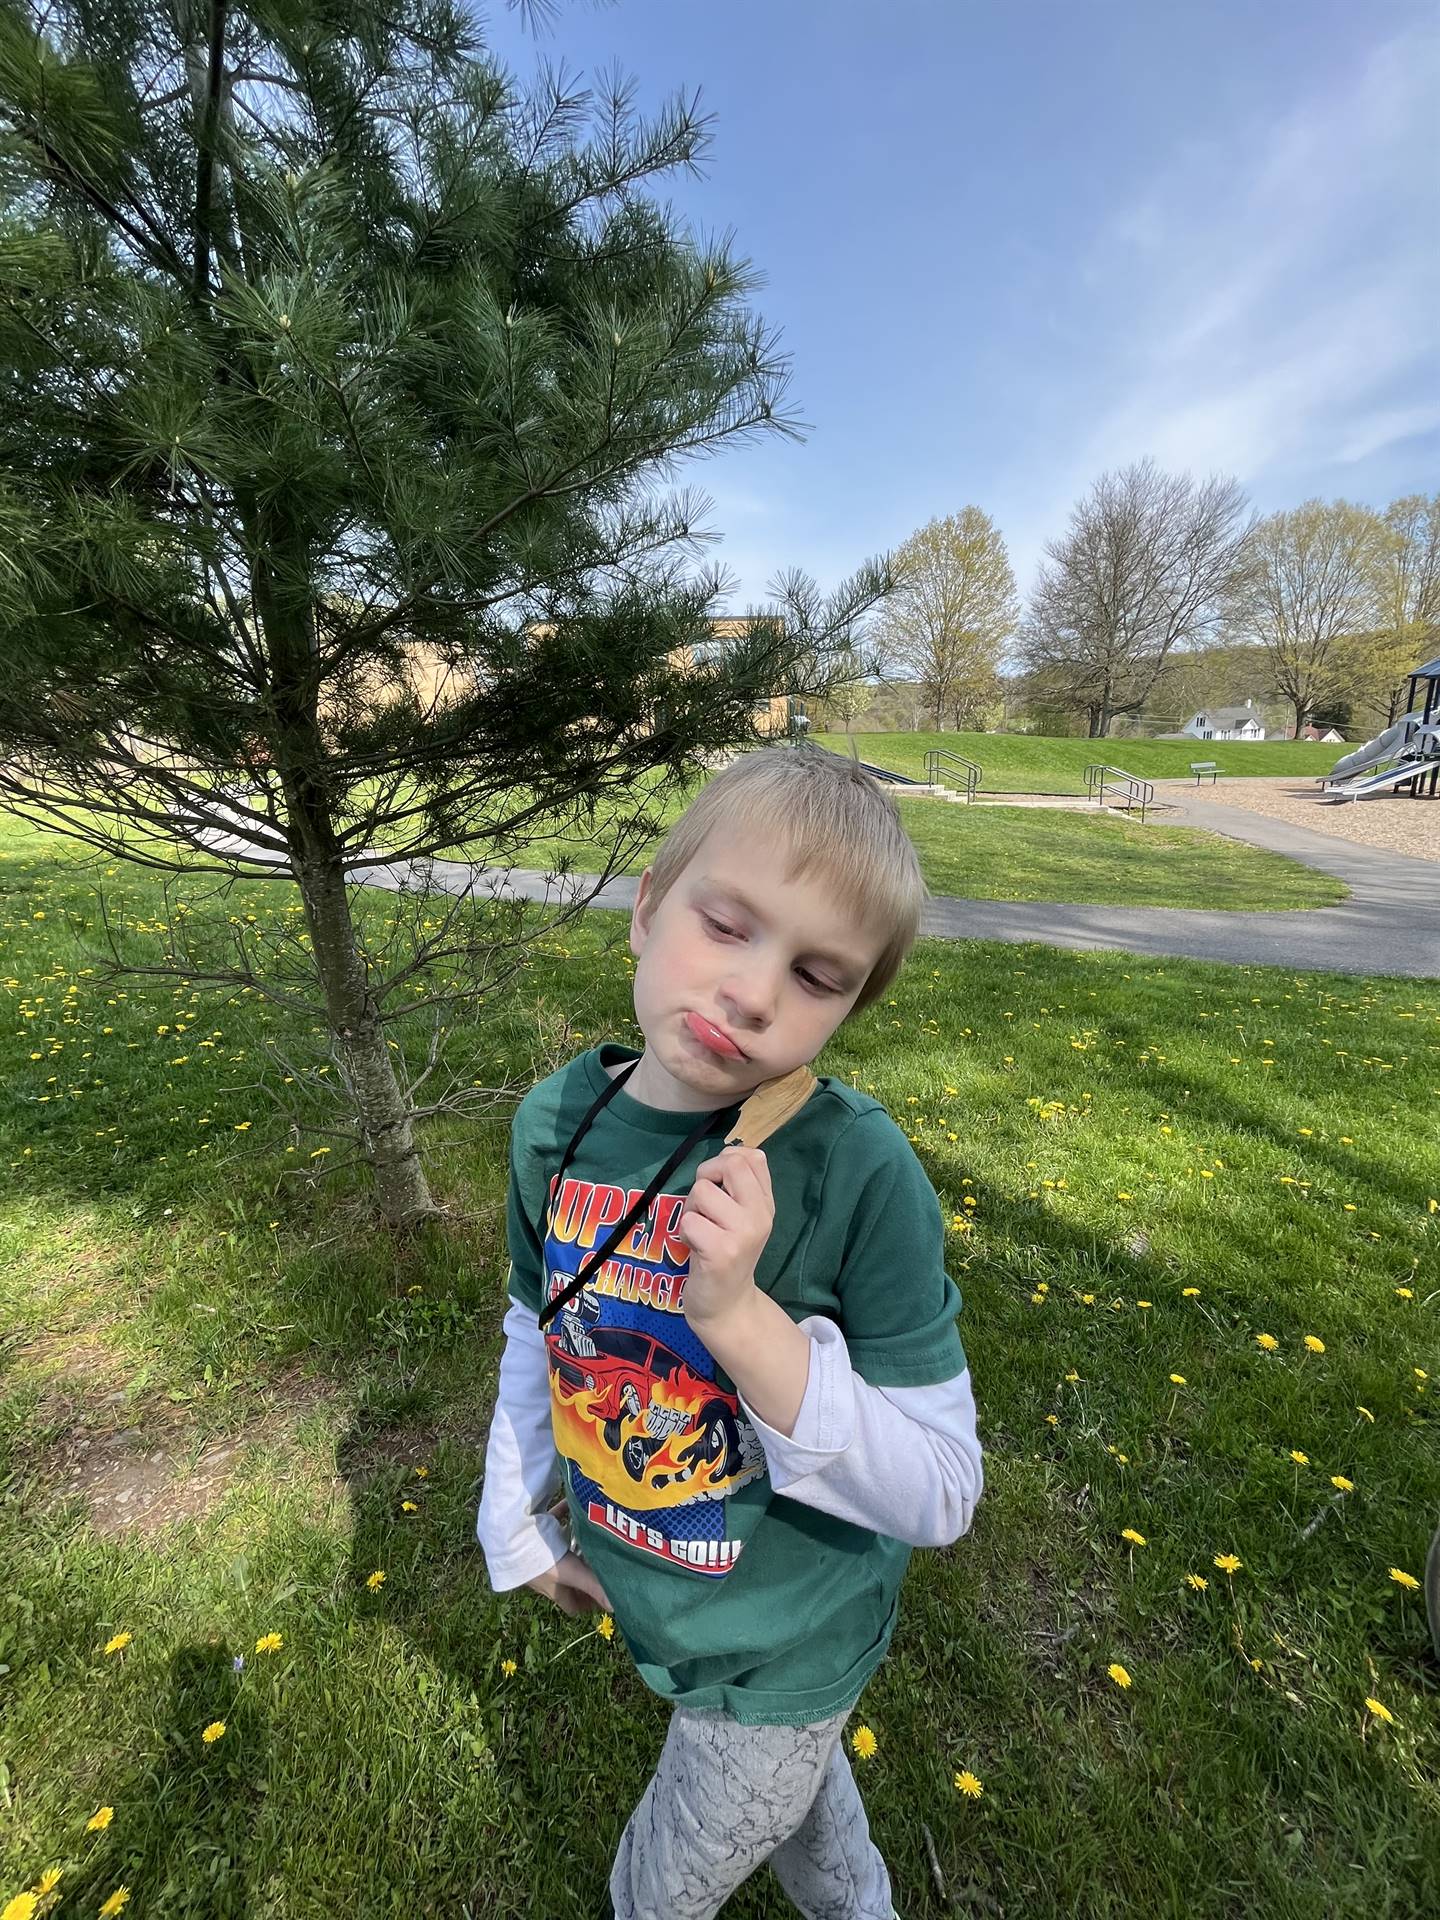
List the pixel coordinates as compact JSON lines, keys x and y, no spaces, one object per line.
{"x":1201,"y":767}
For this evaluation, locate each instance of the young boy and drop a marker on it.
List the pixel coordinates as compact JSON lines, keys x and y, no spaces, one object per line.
{"x":757,"y":1396}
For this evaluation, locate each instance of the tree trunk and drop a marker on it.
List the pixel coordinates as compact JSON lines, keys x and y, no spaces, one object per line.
{"x":381,"y":1112}
{"x":386,"y":1134}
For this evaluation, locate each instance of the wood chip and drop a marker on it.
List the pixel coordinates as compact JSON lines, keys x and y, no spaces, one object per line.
{"x":770,"y":1106}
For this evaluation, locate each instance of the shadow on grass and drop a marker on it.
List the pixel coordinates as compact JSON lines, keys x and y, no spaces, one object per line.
{"x":185,"y":1844}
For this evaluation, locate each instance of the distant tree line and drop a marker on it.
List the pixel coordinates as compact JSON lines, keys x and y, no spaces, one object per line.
{"x":1163,"y":594}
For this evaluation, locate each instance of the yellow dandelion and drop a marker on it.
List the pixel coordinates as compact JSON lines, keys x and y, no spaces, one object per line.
{"x":1367,"y":1413}
{"x":1405,"y":1293}
{"x":605,"y":1627}
{"x":1118,"y":1674}
{"x":1072,"y":1376}
{"x":1406,"y":1580}
{"x":1135,"y":1539}
{"x":1190,"y":1293}
{"x":1124,"y":1196}
{"x":1420,"y":1373}
{"x":242,"y":1126}
{"x":1380,"y":1711}
{"x":1177,"y":1380}
{"x":100,"y":1819}
{"x":22,"y":1907}
{"x":1339,"y":1480}
{"x":1052,"y":1419}
{"x":215,"y":1731}
{"x":120,"y":1640}
{"x":1300,"y":1459}
{"x":1228,"y":1562}
{"x":408,"y":1506}
{"x":969,"y":1785}
{"x":508,"y":1668}
{"x":48,"y":1880}
{"x":863,"y":1743}
{"x":116,"y":1901}
{"x":1315,"y":1346}
{"x":1197,"y":1581}
{"x":1267,"y":1341}
{"x":376,"y":1580}
{"x":269,"y":1643}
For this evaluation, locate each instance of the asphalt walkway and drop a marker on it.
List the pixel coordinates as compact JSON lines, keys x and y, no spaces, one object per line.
{"x":1389,"y":925}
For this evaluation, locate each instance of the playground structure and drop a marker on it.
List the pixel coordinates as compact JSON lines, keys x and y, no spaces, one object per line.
{"x":1405,"y":758}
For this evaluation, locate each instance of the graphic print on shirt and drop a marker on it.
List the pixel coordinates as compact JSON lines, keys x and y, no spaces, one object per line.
{"x":653,"y":1446}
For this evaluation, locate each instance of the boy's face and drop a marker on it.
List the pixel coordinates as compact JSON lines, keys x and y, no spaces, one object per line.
{"x":774,"y":965}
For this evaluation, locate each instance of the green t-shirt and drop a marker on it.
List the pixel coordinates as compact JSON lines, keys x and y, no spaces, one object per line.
{"x":728,"y":1594}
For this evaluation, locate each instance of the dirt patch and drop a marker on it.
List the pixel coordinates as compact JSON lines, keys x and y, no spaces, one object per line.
{"x":141,"y":1465}
{"x":363,"y":1456}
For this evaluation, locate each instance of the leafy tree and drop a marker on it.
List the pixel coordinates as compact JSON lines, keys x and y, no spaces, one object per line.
{"x":1404,"y":626}
{"x":848,"y":698}
{"x":1306,"y":590}
{"x":1143,"y":570}
{"x":342,"y":382}
{"x":953,"y":610}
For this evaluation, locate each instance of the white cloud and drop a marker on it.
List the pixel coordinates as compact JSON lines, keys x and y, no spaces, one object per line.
{"x":1266,"y":307}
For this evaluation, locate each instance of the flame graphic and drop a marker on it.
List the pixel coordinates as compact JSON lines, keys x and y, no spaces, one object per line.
{"x":668,"y":1477}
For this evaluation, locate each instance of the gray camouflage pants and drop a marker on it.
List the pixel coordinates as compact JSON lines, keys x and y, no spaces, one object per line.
{"x":726,"y":1798}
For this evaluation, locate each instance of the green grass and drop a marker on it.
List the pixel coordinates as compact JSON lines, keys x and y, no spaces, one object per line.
{"x":1021,"y":763}
{"x":382,"y":1764}
{"x":1019,"y":853}
{"x":1014,"y":853}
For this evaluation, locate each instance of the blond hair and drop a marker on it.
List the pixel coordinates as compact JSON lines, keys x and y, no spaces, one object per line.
{"x":836,"y":821}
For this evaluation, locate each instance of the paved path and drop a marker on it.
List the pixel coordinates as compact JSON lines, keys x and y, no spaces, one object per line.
{"x":1390,"y":924}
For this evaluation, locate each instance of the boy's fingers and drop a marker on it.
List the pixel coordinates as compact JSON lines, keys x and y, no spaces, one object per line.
{"x":742,"y":1183}
{"x":706,"y":1201}
{"x":752,"y":1159}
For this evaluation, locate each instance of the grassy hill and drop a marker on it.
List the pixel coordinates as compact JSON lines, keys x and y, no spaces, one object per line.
{"x":1025,"y":763}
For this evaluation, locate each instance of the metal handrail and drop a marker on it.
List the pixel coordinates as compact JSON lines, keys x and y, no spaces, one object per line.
{"x":973,"y":775}
{"x":1134,"y":792}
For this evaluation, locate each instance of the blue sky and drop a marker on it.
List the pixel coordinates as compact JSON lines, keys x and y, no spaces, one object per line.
{"x":1010,"y":244}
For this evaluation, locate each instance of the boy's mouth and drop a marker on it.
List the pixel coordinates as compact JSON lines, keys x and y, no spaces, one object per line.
{"x":712,"y":1037}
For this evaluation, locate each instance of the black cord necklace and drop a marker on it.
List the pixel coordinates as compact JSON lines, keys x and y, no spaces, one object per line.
{"x":550,"y":1308}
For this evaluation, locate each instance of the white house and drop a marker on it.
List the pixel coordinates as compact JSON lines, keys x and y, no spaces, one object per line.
{"x":1225,"y":723}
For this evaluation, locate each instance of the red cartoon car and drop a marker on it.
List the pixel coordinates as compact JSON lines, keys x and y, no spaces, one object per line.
{"x":621,"y":1367}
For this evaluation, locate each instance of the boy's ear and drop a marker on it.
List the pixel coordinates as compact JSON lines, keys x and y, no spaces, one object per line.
{"x":640,"y":914}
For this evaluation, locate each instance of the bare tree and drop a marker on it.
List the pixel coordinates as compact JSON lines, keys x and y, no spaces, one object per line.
{"x":1307,"y":588}
{"x":1145,"y":568}
{"x":952,"y":613}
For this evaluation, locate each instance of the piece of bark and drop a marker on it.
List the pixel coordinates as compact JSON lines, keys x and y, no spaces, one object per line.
{"x":770,"y":1106}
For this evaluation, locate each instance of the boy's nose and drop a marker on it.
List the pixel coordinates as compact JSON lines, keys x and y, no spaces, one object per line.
{"x":750,"y":999}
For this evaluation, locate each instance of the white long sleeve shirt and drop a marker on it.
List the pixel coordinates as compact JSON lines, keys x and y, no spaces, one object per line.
{"x":901,"y":1461}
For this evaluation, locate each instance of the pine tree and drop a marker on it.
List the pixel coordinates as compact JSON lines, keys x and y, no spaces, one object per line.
{"x":342,"y":383}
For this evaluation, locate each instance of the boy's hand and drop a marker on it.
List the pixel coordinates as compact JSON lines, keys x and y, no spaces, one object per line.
{"x":726,"y":1222}
{"x":572,"y":1585}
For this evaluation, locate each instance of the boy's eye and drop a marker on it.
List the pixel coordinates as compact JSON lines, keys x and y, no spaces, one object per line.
{"x":820,"y":985}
